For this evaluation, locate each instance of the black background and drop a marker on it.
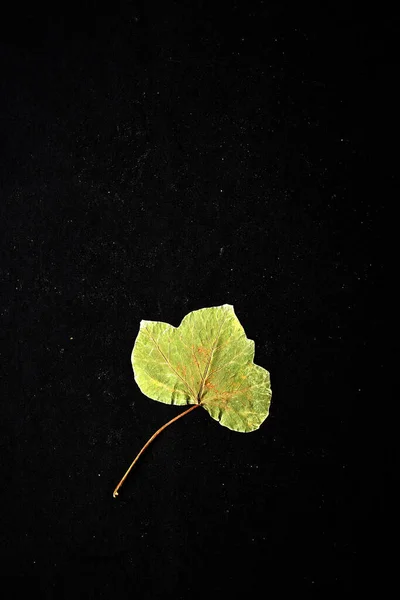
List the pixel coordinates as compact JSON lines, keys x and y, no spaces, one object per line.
{"x":157,"y":158}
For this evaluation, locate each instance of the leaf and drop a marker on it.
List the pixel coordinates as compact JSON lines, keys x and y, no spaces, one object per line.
{"x":208,"y":361}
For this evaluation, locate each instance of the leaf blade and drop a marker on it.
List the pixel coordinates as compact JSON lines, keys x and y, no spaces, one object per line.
{"x":208,"y":360}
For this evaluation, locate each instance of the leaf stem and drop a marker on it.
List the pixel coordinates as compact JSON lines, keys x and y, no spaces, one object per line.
{"x":115,"y":493}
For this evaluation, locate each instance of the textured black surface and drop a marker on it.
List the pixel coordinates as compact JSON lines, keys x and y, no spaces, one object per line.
{"x":156,"y":160}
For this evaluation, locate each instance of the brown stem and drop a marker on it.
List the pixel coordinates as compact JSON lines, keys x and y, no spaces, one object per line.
{"x":115,"y":493}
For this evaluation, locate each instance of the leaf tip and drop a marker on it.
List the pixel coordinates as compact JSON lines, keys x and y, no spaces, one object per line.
{"x":228,"y":307}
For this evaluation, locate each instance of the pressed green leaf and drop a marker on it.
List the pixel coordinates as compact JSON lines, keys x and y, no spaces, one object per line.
{"x":207,"y":360}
